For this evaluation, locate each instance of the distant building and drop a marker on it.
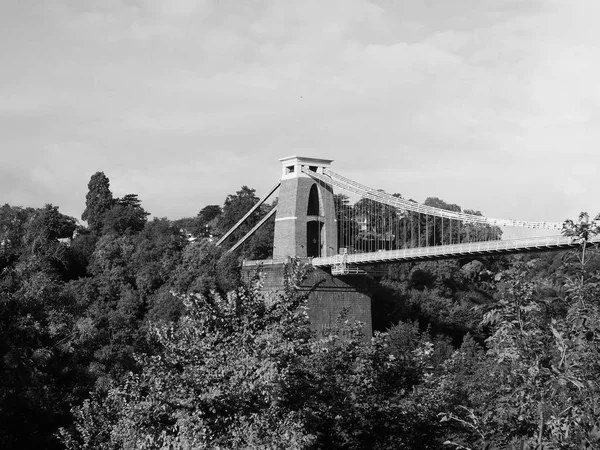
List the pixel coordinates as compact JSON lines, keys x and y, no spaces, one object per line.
{"x":187,"y":235}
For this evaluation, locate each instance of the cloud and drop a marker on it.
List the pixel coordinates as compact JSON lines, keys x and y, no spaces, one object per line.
{"x":420,"y":96}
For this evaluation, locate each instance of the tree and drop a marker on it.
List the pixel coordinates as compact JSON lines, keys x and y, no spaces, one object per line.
{"x":260,"y":245}
{"x":346,"y":225}
{"x":38,"y":367}
{"x":582,"y":232}
{"x":13,"y":221}
{"x":158,"y":250}
{"x":208,"y":214}
{"x":235,"y":207}
{"x":98,"y":201}
{"x":125,"y":216}
{"x":379,"y":225}
{"x":216,"y":383}
{"x":440,"y":231}
{"x":197,"y":270}
{"x":41,"y":246}
{"x":537,"y":386}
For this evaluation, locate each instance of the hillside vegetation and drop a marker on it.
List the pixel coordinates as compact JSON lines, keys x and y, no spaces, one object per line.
{"x":131,"y":333}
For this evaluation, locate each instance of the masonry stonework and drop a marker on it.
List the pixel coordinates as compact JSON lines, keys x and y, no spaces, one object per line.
{"x":328,"y":295}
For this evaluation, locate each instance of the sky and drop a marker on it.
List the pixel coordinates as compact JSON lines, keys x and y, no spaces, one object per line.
{"x":493,"y":105}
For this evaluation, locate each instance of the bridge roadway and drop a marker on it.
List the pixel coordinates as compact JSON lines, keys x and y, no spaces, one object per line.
{"x":453,"y":251}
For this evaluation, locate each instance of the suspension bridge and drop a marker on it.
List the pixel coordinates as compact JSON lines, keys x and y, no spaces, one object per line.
{"x":344,"y":228}
{"x":341,"y":224}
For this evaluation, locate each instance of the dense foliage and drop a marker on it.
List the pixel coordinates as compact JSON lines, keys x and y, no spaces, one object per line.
{"x":129,"y":333}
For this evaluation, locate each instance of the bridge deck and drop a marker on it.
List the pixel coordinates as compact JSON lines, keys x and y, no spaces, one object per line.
{"x":455,"y":250}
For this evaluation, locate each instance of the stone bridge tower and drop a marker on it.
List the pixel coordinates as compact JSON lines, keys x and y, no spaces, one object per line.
{"x":305,"y":224}
{"x":306,"y":227}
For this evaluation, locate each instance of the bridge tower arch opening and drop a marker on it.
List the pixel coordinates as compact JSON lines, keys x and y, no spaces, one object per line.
{"x":305,"y":225}
{"x":314,"y":238}
{"x":315,"y":228}
{"x":314,"y":202}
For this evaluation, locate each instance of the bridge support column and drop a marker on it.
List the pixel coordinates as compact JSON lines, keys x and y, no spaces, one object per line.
{"x":328,"y":295}
{"x":305,"y":224}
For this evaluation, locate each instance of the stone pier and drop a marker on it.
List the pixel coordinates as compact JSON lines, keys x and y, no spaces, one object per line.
{"x":328,"y":295}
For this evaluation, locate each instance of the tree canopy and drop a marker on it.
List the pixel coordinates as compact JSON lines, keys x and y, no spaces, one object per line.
{"x":98,"y":201}
{"x":137,"y":333}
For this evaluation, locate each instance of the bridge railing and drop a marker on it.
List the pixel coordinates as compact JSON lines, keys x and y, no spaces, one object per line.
{"x":454,"y":249}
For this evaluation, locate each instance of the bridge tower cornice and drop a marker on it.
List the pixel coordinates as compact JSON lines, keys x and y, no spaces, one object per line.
{"x":292,"y":166}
